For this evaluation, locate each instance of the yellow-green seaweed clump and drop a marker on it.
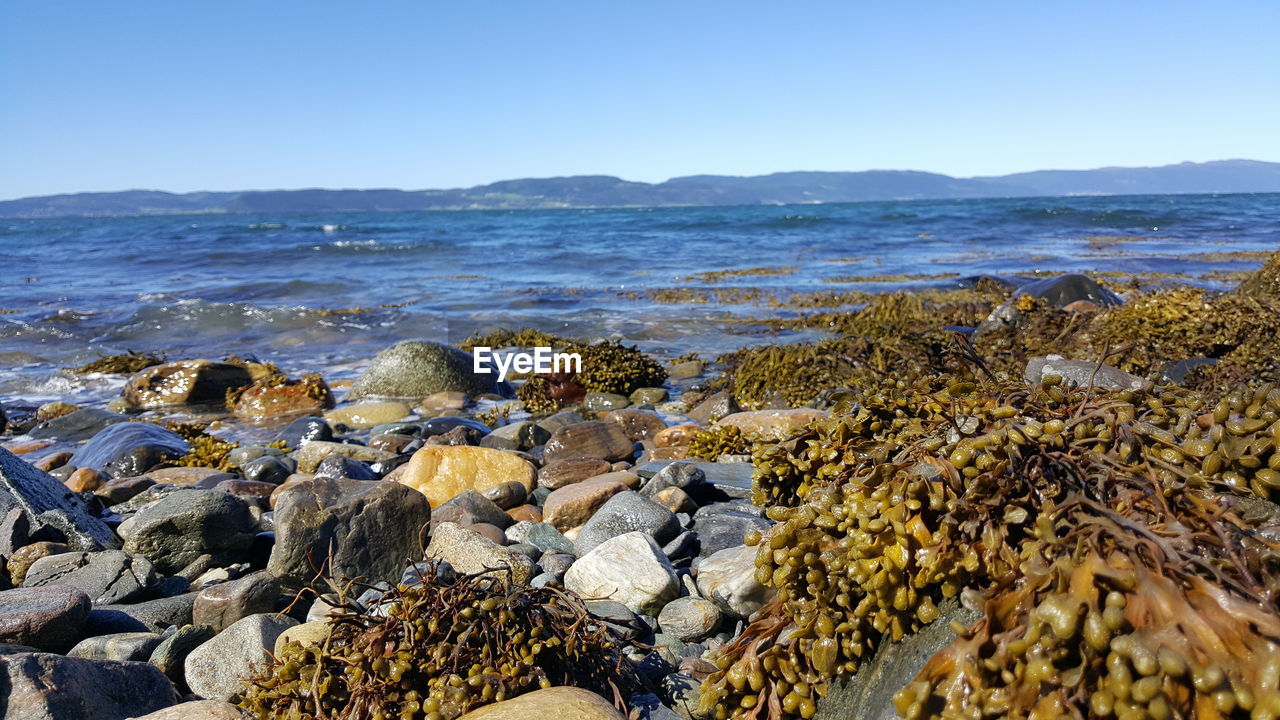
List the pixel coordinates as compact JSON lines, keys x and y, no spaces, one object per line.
{"x":710,"y":443}
{"x":124,"y":364}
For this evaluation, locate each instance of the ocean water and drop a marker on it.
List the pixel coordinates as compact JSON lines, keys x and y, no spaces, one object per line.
{"x":326,"y":291}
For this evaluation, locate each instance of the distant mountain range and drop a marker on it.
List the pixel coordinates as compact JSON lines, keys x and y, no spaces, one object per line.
{"x":1223,"y":176}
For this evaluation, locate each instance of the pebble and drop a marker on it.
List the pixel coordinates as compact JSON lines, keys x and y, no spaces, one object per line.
{"x":133,"y":646}
{"x":469,"y":508}
{"x":24,"y":557}
{"x":470,"y":552}
{"x":213,"y":670}
{"x":607,"y":441}
{"x":310,"y":454}
{"x":304,"y":430}
{"x":187,"y":476}
{"x":546,"y":538}
{"x":559,"y":473}
{"x":675,"y":500}
{"x":728,"y":578}
{"x":689,"y":618}
{"x":336,"y":467}
{"x":653,"y":395}
{"x":604,"y":402}
{"x":679,"y":474}
{"x":508,"y":495}
{"x":440,"y":472}
{"x":523,"y":435}
{"x":170,"y":655}
{"x":366,"y":415}
{"x":308,"y":634}
{"x":630,"y":569}
{"x":637,"y":424}
{"x":713,"y":408}
{"x":79,"y":425}
{"x":573,"y":505}
{"x":623,"y":513}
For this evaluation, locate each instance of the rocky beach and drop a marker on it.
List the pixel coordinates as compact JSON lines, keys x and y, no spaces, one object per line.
{"x":1011,"y":497}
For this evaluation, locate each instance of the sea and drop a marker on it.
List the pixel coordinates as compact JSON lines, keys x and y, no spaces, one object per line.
{"x":326,"y":291}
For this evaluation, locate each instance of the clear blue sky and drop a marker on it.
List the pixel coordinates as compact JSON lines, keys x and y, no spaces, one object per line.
{"x":236,"y":94}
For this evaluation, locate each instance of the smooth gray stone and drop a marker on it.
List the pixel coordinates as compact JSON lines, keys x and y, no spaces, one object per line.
{"x":111,"y":444}
{"x":623,"y":513}
{"x":107,"y":577}
{"x":149,"y":616}
{"x":48,"y":503}
{"x":131,"y":646}
{"x":41,"y":686}
{"x":76,"y":426}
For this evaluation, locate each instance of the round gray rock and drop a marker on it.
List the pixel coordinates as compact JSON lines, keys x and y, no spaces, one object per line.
{"x":689,"y":618}
{"x":214,"y":669}
{"x":184,"y":525}
{"x":416,"y":369}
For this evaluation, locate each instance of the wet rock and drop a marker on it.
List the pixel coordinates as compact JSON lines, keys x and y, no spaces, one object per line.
{"x":213,"y":670}
{"x":336,"y":467}
{"x":508,"y":495}
{"x":573,"y":505}
{"x":311,"y":454}
{"x":15,"y":533}
{"x":651,"y":396}
{"x":561,"y":703}
{"x":630,"y":569}
{"x":367,"y":415}
{"x":1079,"y":372}
{"x":679,"y":474}
{"x":52,"y":462}
{"x":107,"y":577}
{"x":1059,"y":291}
{"x":686,"y":369}
{"x":149,"y":616}
{"x":370,"y":528}
{"x":525,"y":512}
{"x":199,"y":710}
{"x":559,"y":473}
{"x":129,"y":449}
{"x":46,"y":503}
{"x":523,"y":435}
{"x":188,"y":382}
{"x":470,"y":552}
{"x":123,"y":489}
{"x":457,"y":436}
{"x":186,"y":524}
{"x":869,"y":693}
{"x":728,"y":578}
{"x":713,"y":408}
{"x":170,"y":655}
{"x":418,"y":369}
{"x":607,"y":441}
{"x":676,"y":435}
{"x":49,"y":618}
{"x":675,"y":500}
{"x":443,"y":402}
{"x":85,"y":480}
{"x":218,"y":606}
{"x":604,"y":402}
{"x":637,"y":424}
{"x":447,"y":424}
{"x":307,"y":634}
{"x":440,"y":472}
{"x":41,"y":686}
{"x":304,"y":430}
{"x":189,"y":476}
{"x":624,"y":513}
{"x":771,"y":424}
{"x":135,"y":646}
{"x":468,"y":508}
{"x":79,"y":425}
{"x":689,"y":618}
{"x":276,"y":403}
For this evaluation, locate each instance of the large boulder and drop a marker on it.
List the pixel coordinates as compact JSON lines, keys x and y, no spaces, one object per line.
{"x":416,"y":369}
{"x":370,"y":528}
{"x":48,"y":506}
{"x":49,"y":618}
{"x":188,"y":382}
{"x":630,"y":569}
{"x":440,"y":472}
{"x":40,"y":686}
{"x":561,"y":703}
{"x":214,"y":670}
{"x":106,"y":577}
{"x":129,"y":449}
{"x":186,"y":524}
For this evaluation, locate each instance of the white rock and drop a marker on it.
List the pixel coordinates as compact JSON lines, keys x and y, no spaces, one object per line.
{"x":214,"y":669}
{"x":630,"y":569}
{"x":728,"y":578}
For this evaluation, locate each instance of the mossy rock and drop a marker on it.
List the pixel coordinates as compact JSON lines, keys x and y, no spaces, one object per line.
{"x":418,"y":368}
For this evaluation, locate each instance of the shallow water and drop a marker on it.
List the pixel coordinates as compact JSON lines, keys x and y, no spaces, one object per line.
{"x":212,"y":285}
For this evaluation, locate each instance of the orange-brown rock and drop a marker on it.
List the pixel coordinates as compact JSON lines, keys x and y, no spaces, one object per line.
{"x":638,"y":424}
{"x":607,"y":441}
{"x":567,"y":471}
{"x":85,"y":480}
{"x":771,"y":424}
{"x":573,"y":505}
{"x":187,"y":382}
{"x":310,"y":396}
{"x":525,"y":512}
{"x":676,"y":435}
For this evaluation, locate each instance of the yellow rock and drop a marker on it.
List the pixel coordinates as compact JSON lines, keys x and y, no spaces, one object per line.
{"x":308,"y":634}
{"x":561,"y":703}
{"x":369,"y":414}
{"x":442,"y":471}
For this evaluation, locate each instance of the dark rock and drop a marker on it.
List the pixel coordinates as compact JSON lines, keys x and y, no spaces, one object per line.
{"x":607,"y":441}
{"x":132,"y":646}
{"x":508,"y":494}
{"x":48,"y":504}
{"x":79,"y":425}
{"x":416,"y":369}
{"x":559,"y":473}
{"x":371,"y":529}
{"x":123,"y":489}
{"x":869,"y":693}
{"x":1177,"y":372}
{"x":679,"y":474}
{"x":456,"y":436}
{"x":1059,"y":291}
{"x":468,"y":508}
{"x":129,"y":449}
{"x":49,"y":618}
{"x":149,"y":616}
{"x":623,"y":513}
{"x":188,"y":382}
{"x":304,"y":430}
{"x":187,"y":524}
{"x":15,"y":532}
{"x":266,"y":469}
{"x":107,"y":577}
{"x":254,"y":493}
{"x":617,"y":615}
{"x":172,"y":652}
{"x":41,"y":686}
{"x":547,"y":539}
{"x":718,"y":532}
{"x":442,"y":425}
{"x":336,"y":467}
{"x":557,"y":564}
{"x":220,"y":605}
{"x":522,"y":435}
